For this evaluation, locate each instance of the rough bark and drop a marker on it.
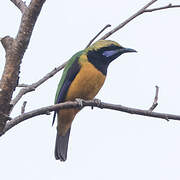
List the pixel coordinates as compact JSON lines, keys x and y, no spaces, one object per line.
{"x":15,"y":49}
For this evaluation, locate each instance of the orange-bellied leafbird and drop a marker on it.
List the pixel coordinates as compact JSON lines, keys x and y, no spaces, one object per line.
{"x":82,"y":77}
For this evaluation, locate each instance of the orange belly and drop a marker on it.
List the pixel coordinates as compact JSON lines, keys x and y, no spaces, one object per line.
{"x":86,"y":85}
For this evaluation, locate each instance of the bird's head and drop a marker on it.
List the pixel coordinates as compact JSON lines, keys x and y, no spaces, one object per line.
{"x":106,"y":50}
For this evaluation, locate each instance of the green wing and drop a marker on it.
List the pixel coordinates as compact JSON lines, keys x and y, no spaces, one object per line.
{"x":66,"y":69}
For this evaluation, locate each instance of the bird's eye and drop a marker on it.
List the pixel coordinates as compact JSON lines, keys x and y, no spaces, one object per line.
{"x":110,"y":52}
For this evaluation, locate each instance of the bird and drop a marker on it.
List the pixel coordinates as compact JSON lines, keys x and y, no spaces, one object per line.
{"x":82,"y":78}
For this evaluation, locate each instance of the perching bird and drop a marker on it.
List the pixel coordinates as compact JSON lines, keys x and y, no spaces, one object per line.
{"x":82,"y":77}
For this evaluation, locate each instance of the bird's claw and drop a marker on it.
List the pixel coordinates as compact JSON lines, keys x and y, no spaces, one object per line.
{"x":79,"y":101}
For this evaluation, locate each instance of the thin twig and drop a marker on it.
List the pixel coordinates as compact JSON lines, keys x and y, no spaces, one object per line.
{"x":75,"y":104}
{"x":162,"y":8}
{"x":141,"y":11}
{"x":155,"y":103}
{"x":33,"y":86}
{"x":20,"y":4}
{"x":108,"y":25}
{"x":22,"y":85}
{"x":23,"y":107}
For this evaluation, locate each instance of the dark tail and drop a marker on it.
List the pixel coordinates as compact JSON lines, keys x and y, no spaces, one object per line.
{"x":61,"y":147}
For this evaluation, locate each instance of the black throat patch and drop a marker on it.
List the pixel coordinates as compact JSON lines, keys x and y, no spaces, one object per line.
{"x":98,"y":61}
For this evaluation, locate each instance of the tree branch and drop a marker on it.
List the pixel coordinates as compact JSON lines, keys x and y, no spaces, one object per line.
{"x":162,"y":8}
{"x":91,"y":103}
{"x":14,"y":54}
{"x":141,"y":11}
{"x":32,"y":87}
{"x":22,"y":85}
{"x":20,"y":4}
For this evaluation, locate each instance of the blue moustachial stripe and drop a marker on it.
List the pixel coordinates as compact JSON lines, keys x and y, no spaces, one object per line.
{"x":110,"y":53}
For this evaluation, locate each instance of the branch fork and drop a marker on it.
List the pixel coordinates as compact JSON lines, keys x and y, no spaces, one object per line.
{"x":21,"y":5}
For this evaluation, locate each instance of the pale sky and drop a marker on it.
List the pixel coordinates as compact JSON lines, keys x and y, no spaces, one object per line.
{"x":104,"y":144}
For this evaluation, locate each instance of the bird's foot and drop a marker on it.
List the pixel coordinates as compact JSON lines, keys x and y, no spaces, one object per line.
{"x":98,"y":103}
{"x":80,"y":102}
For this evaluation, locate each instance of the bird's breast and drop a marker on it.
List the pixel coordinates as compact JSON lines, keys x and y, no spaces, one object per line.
{"x":86,"y":84}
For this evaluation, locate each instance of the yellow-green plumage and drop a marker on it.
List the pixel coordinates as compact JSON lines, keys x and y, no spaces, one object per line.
{"x":82,"y":78}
